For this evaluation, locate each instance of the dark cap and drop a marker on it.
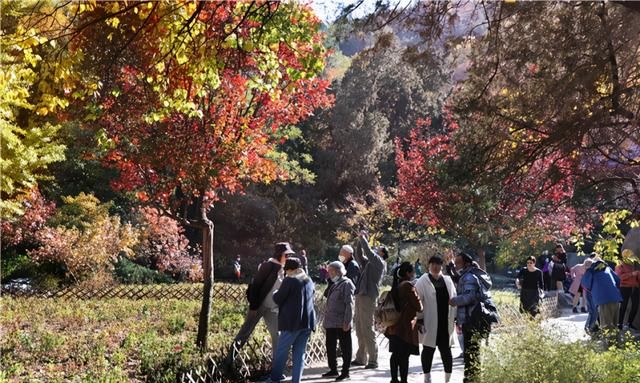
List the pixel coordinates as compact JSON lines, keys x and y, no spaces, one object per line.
{"x":466,"y":258}
{"x":283,"y":247}
{"x":292,"y":263}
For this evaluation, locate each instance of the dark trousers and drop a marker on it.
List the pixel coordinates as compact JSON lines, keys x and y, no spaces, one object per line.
{"x":333,"y":336}
{"x":400,"y":361}
{"x":445,"y":354}
{"x":472,"y":340}
{"x":546,"y":279}
{"x":629,"y":294}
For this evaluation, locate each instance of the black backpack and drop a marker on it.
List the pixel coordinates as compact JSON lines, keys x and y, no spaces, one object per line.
{"x":484,"y":313}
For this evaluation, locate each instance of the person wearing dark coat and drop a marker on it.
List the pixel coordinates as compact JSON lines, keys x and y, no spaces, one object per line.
{"x":261,"y":304}
{"x":403,"y":335}
{"x":296,"y":319}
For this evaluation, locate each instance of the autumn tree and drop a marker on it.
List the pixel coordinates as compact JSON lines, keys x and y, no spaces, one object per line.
{"x":27,"y":132}
{"x":565,"y":89}
{"x":193,"y":98}
{"x":443,"y":186}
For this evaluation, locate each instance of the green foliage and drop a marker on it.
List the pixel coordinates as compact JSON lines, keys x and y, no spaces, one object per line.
{"x":513,"y":252}
{"x":608,"y":242}
{"x":128,"y":272}
{"x":80,"y":212}
{"x":14,"y":266}
{"x":536,"y":356}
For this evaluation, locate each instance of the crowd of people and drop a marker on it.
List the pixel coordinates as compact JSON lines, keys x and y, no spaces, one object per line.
{"x":603,"y":290}
{"x":429,"y":311}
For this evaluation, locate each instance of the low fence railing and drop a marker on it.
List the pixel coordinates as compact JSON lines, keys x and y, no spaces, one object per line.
{"x":192,"y":291}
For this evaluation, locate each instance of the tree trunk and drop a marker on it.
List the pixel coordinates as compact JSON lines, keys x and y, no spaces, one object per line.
{"x":482,"y":259}
{"x":207,"y":266}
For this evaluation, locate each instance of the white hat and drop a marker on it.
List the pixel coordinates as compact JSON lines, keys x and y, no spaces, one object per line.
{"x":347,"y":248}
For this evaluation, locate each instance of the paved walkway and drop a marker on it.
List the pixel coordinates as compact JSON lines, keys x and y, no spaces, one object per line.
{"x":569,"y":324}
{"x":382,"y":375}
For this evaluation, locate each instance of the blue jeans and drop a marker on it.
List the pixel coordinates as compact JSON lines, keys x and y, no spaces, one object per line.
{"x":298,"y":339}
{"x":593,"y":313}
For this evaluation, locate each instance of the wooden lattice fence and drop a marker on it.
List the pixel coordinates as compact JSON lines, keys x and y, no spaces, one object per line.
{"x":221,"y":291}
{"x":254,"y":358}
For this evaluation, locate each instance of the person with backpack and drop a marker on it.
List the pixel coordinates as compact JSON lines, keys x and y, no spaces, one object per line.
{"x":434,"y":290}
{"x":261,"y":304}
{"x":603,"y":283}
{"x":403,"y":335}
{"x":373,"y":267}
{"x":338,"y":320}
{"x":472,"y":291}
{"x":296,"y":320}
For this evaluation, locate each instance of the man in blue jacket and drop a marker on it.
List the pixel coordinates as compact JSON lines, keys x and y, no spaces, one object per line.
{"x":473,"y":284}
{"x":603,"y":284}
{"x":296,"y":319}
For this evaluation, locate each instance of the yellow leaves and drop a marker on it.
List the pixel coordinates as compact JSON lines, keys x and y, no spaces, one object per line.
{"x":85,"y":6}
{"x":113,"y":22}
{"x":504,"y":92}
{"x":160,"y":67}
{"x":42,"y":111}
{"x":182,"y":59}
{"x":604,"y":87}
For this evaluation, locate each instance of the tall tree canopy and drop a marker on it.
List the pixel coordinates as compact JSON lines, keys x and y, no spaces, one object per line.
{"x":192,"y":98}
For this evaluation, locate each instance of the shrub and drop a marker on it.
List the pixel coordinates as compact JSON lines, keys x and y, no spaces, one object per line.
{"x":129,"y":272}
{"x":21,"y":232}
{"x":537,"y":356}
{"x":163,"y":247}
{"x":84,"y":239}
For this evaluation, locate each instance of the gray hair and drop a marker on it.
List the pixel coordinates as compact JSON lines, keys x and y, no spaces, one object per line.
{"x":339,"y":267}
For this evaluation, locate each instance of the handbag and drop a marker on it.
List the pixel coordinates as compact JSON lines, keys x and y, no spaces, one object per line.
{"x":386,"y":314}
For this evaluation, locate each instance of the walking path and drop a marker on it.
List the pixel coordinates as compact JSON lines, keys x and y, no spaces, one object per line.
{"x":569,"y":324}
{"x":382,"y":375}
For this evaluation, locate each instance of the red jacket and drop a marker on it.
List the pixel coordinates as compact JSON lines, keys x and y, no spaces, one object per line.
{"x":627,"y":276}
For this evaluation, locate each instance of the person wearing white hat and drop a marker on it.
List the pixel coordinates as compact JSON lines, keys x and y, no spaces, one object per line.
{"x":351,"y":266}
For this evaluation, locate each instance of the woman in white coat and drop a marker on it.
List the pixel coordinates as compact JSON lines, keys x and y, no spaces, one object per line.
{"x":435,"y":289}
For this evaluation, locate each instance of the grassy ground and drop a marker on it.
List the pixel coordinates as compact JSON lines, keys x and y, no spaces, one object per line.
{"x":110,"y":340}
